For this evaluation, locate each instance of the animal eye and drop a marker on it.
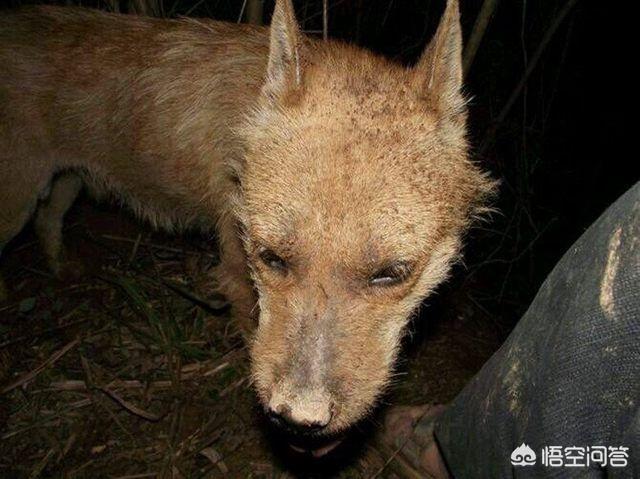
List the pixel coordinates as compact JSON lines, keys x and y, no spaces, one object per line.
{"x":273,"y":261}
{"x":391,"y":275}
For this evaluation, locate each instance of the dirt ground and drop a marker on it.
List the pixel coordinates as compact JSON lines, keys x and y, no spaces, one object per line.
{"x":121,"y":371}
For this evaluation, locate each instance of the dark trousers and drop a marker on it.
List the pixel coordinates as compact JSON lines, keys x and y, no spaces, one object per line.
{"x":566,"y":383}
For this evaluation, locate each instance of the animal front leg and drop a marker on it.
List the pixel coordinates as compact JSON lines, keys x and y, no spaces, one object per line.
{"x":49,"y":218}
{"x":234,"y":282}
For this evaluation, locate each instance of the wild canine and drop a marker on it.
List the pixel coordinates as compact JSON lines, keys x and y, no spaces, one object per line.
{"x":338,"y":181}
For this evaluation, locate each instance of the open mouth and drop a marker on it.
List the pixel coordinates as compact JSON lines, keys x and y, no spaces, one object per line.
{"x":317,"y":451}
{"x":312,"y":444}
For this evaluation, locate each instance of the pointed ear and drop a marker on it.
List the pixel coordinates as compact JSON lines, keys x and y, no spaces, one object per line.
{"x":284,"y":68}
{"x":438,"y":73}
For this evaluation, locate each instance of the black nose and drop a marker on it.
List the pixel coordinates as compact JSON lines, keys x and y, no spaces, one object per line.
{"x":283,"y":419}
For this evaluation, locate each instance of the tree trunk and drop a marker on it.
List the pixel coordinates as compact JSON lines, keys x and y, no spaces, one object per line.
{"x":255,"y":9}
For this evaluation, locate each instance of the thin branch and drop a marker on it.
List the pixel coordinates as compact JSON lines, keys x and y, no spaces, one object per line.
{"x":32,"y":374}
{"x":546,"y":39}
{"x":241,"y":14}
{"x":477,"y":34}
{"x":325,"y":20}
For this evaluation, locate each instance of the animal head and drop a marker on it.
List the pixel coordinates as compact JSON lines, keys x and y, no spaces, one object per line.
{"x":354,"y":193}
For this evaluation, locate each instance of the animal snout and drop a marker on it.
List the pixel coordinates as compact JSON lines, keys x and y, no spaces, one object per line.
{"x":307,"y":412}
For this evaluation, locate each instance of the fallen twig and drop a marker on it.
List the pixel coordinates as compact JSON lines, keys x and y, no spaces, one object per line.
{"x":188,"y":372}
{"x":130,"y":407}
{"x":32,"y":374}
{"x":47,"y":331}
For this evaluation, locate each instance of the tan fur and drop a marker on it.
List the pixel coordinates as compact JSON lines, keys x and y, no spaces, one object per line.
{"x":336,"y":160}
